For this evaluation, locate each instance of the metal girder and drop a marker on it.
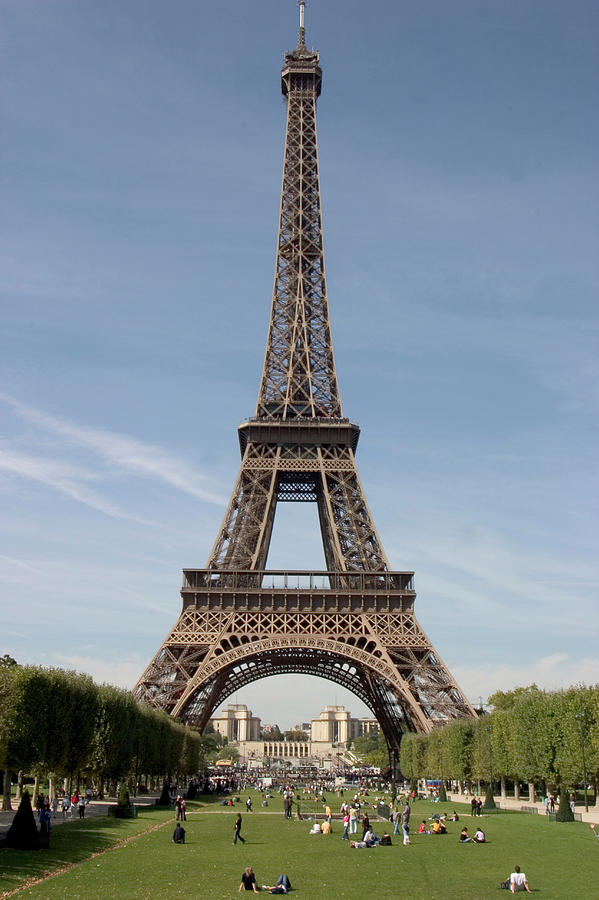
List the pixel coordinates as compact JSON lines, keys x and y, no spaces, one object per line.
{"x":358,"y":628}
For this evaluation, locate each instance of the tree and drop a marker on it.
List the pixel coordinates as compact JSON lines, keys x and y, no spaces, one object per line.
{"x":505,"y":700}
{"x":535,"y":736}
{"x":114,"y":743}
{"x":482,"y":756}
{"x":366,"y":744}
{"x":434,"y":754}
{"x":564,"y":813}
{"x":82,"y":699}
{"x":231,"y":753}
{"x":379,"y":756}
{"x":577,"y":716}
{"x":295,"y":734}
{"x":210,"y":745}
{"x":458,"y":736}
{"x":406,"y":756}
{"x":23,"y":717}
{"x":412,"y":756}
{"x":502,"y":746}
{"x":7,"y":662}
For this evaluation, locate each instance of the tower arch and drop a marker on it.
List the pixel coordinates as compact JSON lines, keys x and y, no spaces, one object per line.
{"x":355,"y":621}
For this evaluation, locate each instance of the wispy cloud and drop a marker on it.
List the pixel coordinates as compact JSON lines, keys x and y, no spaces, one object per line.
{"x":109,"y":671}
{"x":484,"y":571}
{"x":63,"y":478}
{"x":21,"y":565}
{"x":549,"y":672}
{"x":124,"y":453}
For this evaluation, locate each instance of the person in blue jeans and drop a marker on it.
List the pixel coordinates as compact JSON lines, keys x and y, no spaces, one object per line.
{"x":237,"y":831}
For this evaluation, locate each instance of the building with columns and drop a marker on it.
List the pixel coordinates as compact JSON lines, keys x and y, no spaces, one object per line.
{"x":330,"y":735}
{"x":237,"y":723}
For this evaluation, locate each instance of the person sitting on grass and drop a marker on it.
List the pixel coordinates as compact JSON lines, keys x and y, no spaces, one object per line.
{"x":371,"y":839}
{"x":179,"y":834}
{"x":479,"y":836}
{"x":422,"y":829}
{"x":454,"y":817}
{"x":325,"y":827}
{"x":518,"y":881}
{"x":248,"y":881}
{"x":316,"y":829}
{"x":464,"y":836}
{"x":385,"y":841}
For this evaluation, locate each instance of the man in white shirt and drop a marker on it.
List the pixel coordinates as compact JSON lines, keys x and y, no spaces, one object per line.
{"x":518,"y":881}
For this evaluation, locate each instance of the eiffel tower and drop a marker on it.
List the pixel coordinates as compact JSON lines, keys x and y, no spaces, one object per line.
{"x":354,"y":623}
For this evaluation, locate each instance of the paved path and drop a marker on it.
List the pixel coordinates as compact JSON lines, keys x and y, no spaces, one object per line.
{"x":509,"y":803}
{"x":93,"y":808}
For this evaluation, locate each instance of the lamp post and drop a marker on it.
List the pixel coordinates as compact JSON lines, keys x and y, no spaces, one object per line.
{"x":581,"y":719}
{"x":491,"y":805}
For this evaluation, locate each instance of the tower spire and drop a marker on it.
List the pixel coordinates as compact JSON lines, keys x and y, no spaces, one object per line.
{"x":301,"y":41}
{"x":353,"y":623}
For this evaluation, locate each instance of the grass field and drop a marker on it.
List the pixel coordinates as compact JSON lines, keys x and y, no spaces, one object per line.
{"x":561,"y":860}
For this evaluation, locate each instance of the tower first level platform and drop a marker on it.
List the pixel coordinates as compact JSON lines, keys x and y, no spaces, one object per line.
{"x":353,"y":624}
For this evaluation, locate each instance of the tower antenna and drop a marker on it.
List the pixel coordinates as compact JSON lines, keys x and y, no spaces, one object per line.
{"x":302,"y":30}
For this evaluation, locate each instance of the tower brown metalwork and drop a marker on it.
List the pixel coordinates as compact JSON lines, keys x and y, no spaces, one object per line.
{"x":353,"y":623}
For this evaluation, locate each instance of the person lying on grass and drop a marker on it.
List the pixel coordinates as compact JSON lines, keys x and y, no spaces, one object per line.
{"x":283,"y":885}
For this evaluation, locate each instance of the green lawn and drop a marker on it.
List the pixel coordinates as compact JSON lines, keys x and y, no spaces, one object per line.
{"x":561,"y":860}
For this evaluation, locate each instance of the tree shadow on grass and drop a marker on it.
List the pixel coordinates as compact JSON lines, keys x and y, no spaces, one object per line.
{"x":70,"y":843}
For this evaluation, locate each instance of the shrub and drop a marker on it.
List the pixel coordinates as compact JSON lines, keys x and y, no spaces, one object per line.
{"x":165,"y":797}
{"x":22,"y":834}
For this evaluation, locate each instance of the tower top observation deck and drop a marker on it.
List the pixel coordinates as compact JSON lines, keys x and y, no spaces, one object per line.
{"x":301,"y":62}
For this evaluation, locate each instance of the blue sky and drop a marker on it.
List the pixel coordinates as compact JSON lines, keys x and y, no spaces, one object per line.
{"x":140,"y":161}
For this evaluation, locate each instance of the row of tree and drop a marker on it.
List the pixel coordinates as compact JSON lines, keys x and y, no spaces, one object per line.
{"x":534,"y":736}
{"x":58,"y":724}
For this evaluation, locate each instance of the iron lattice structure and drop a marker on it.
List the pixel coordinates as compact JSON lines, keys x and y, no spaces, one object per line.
{"x":353,"y":623}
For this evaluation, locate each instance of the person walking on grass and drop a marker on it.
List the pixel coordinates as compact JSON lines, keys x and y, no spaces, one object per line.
{"x":405,"y":823}
{"x":237,"y":831}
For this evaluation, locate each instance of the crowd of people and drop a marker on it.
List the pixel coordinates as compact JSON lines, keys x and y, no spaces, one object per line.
{"x":354,"y":815}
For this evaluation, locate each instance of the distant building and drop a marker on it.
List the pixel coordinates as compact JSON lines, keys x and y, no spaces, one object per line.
{"x":301,"y":726}
{"x":330,"y":735}
{"x":237,"y":723}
